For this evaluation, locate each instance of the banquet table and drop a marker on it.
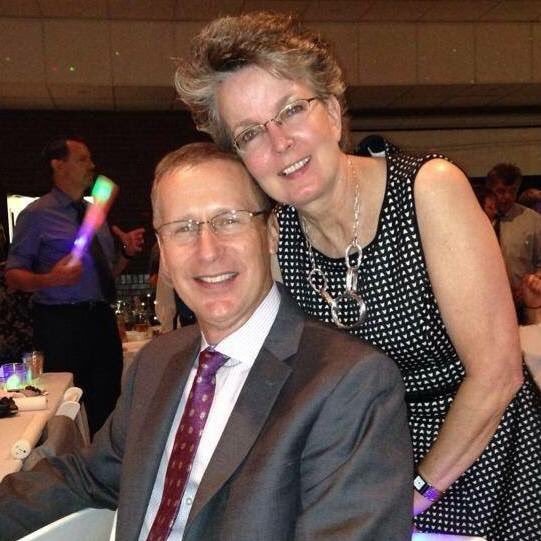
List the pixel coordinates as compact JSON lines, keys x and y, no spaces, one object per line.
{"x":29,"y":425}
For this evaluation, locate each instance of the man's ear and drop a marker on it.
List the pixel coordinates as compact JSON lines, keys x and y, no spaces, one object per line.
{"x":163,"y":268}
{"x":273,"y":232}
{"x":56,"y":164}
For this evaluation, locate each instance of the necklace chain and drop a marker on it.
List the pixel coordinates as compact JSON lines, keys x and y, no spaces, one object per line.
{"x":318,"y":280}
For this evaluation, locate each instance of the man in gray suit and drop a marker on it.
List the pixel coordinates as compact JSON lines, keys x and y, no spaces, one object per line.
{"x":299,"y":432}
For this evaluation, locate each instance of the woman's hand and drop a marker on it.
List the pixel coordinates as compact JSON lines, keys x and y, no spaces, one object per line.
{"x":530,"y":292}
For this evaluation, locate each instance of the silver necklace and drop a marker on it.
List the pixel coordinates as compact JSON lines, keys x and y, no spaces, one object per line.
{"x":318,"y":280}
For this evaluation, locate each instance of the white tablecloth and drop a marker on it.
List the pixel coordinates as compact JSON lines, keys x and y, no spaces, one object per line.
{"x":29,"y":425}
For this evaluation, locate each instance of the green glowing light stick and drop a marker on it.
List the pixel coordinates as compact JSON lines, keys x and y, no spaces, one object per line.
{"x":104,"y":193}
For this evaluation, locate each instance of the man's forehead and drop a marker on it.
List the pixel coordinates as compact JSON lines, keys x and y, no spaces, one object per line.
{"x":212,"y":175}
{"x":204,"y":189}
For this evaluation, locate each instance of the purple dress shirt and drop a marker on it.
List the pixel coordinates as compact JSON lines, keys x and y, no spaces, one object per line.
{"x":44,"y":233}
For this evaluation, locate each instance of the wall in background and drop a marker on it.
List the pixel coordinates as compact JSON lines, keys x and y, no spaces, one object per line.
{"x":475,"y":150}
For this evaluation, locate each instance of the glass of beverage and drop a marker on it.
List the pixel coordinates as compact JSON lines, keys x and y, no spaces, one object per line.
{"x":13,"y":376}
{"x":33,"y":361}
{"x":141,"y":323}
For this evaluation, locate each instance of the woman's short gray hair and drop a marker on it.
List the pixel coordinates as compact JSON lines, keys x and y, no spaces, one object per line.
{"x":275,"y":42}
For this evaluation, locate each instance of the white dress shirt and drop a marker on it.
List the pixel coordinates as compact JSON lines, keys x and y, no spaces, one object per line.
{"x":520,"y":241}
{"x":242,"y":347}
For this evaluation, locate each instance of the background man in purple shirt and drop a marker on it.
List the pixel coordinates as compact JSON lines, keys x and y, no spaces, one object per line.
{"x":73,"y":321}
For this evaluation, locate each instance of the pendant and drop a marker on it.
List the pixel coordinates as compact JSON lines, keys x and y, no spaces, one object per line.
{"x":335,"y":310}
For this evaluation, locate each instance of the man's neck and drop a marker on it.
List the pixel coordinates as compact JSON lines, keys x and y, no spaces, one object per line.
{"x":513,"y":211}
{"x":214,"y":336}
{"x":71,"y":191}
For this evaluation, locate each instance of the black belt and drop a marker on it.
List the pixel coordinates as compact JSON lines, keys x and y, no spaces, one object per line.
{"x":429,"y":395}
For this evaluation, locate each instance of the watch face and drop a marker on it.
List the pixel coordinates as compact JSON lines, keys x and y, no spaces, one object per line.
{"x":429,"y":492}
{"x":418,"y":483}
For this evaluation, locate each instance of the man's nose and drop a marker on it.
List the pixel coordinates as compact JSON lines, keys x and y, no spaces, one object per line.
{"x":208,"y":243}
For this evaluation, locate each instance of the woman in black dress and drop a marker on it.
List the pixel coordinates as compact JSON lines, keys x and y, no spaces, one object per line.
{"x":394,"y":249}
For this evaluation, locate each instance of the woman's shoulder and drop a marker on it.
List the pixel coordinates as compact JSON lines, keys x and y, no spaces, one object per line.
{"x":429,"y":170}
{"x":440,"y":174}
{"x":411,"y":161}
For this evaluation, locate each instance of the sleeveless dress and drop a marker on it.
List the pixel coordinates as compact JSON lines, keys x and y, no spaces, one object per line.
{"x":499,"y":497}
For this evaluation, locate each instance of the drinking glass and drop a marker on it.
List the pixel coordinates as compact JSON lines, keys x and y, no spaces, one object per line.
{"x":33,"y":361}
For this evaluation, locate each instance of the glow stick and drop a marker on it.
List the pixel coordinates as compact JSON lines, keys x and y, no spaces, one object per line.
{"x":104,"y":193}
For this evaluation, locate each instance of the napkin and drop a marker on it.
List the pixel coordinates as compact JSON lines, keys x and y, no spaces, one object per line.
{"x":31,"y":403}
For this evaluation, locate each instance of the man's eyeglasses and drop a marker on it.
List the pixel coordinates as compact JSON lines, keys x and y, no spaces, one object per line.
{"x":225,"y":224}
{"x":254,"y":137}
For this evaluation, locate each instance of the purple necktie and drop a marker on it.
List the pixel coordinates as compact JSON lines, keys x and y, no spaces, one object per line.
{"x":106,"y":279}
{"x":187,"y":439}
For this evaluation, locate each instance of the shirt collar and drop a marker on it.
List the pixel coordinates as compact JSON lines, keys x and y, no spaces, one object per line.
{"x":513,"y":212}
{"x":61,"y":197}
{"x":244,"y":344}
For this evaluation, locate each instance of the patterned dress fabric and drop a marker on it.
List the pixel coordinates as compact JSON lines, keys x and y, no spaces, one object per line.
{"x":499,"y":497}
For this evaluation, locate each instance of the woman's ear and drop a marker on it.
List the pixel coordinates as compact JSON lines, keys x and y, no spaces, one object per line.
{"x":335,"y":115}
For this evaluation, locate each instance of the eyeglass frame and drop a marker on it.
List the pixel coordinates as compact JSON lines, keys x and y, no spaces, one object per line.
{"x":274,"y":119}
{"x":201,"y":223}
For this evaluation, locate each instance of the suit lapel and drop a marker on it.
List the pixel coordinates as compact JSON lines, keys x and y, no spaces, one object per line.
{"x":253,"y":406}
{"x":269,"y":373}
{"x":152,"y":434}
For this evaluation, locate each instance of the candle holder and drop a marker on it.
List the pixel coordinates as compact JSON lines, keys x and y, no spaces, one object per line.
{"x":13,"y":376}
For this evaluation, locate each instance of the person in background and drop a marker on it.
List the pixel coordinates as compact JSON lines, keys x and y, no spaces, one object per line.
{"x":73,"y":322}
{"x":531,"y":198}
{"x":393,"y":249}
{"x":255,"y":424}
{"x":15,"y":320}
{"x":489,"y":203}
{"x":154,"y":265}
{"x":374,"y":146}
{"x":519,"y":227}
{"x":523,"y":293}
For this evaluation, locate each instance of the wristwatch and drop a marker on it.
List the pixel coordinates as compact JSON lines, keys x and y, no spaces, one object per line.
{"x":428,"y":491}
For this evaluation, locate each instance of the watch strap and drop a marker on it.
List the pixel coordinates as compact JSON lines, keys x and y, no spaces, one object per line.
{"x":425,"y":489}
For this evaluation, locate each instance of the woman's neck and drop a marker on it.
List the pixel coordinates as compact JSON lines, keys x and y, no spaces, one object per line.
{"x":330,"y":220}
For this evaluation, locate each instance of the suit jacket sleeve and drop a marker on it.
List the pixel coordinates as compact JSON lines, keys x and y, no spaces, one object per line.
{"x":357,"y":464}
{"x":59,"y":486}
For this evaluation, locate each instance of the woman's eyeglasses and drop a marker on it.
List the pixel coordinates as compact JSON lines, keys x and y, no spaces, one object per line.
{"x":291,"y":116}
